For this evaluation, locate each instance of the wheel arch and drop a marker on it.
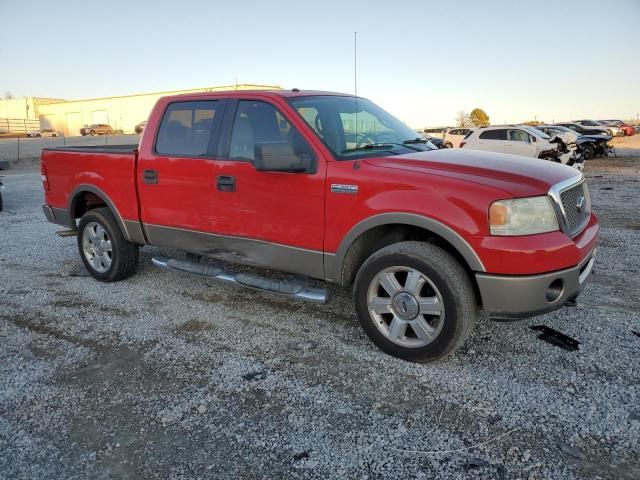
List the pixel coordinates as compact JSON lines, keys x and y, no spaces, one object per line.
{"x":384,"y":229}
{"x":87,"y":197}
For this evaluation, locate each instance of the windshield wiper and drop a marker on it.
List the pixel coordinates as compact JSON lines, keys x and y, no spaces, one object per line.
{"x":415,"y":140}
{"x":370,"y":146}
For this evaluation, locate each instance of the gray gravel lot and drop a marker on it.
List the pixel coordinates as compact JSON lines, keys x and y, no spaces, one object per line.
{"x":165,"y":376}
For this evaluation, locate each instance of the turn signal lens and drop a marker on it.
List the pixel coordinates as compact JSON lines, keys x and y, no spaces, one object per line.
{"x":498,"y":214}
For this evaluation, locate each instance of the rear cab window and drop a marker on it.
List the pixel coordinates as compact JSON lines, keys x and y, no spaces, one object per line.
{"x":187,"y":129}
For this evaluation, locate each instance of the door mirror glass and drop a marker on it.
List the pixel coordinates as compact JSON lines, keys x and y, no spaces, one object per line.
{"x":280,"y":157}
{"x":532,"y":139}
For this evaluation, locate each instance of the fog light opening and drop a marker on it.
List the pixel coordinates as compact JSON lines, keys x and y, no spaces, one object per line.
{"x":554,"y":290}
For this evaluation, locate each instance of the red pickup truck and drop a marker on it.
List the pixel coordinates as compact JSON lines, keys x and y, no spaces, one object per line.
{"x":332,"y":187}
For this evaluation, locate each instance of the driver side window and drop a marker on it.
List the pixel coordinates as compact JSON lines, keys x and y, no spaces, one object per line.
{"x":518,"y":136}
{"x":259,"y":123}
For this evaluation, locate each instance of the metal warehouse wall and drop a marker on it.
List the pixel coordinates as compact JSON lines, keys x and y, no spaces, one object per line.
{"x":122,"y":113}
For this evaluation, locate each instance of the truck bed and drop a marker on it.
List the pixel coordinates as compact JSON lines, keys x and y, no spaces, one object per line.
{"x":108,"y":171}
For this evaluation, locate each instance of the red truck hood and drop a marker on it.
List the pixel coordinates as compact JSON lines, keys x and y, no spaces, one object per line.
{"x":514,"y":174}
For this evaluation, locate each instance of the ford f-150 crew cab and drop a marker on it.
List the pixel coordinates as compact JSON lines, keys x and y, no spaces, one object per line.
{"x":331,"y":187}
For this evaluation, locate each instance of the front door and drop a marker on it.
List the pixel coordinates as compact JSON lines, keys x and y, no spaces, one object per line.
{"x":519,"y":143}
{"x":270,"y":219}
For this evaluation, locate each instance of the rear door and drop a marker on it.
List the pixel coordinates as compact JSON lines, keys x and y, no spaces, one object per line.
{"x":492,"y":140}
{"x":176,"y":180}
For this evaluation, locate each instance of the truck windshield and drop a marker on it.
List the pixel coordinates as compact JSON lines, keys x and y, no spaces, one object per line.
{"x":355,"y":127}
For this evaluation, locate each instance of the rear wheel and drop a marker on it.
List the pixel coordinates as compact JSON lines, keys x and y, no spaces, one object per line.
{"x":448,"y":145}
{"x":92,"y":132}
{"x":588,"y":152}
{"x":414,"y":301}
{"x":104,"y":251}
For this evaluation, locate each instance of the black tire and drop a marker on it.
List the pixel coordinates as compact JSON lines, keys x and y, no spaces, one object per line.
{"x":124,"y":254}
{"x":446,"y":274}
{"x":448,"y":145}
{"x":92,"y":133}
{"x":588,"y":153}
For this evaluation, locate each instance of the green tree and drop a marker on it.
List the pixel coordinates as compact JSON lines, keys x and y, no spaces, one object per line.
{"x":479,"y":118}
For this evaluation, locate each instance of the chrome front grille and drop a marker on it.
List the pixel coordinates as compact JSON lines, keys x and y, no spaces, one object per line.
{"x":575,"y":206}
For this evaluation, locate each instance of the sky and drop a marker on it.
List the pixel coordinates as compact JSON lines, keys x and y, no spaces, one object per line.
{"x":423,"y":61}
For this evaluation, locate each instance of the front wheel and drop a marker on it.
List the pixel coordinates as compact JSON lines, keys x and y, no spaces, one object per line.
{"x":104,"y":251}
{"x":415,"y":301}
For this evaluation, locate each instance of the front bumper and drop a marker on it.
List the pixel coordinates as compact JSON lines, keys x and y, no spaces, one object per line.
{"x":522,"y":296}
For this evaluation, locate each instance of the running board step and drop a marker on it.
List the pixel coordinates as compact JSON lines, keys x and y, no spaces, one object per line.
{"x":67,"y":233}
{"x":288,"y":288}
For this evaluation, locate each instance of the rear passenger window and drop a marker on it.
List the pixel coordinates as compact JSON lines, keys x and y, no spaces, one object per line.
{"x":494,"y":135}
{"x":186,"y":128}
{"x":259,"y":123}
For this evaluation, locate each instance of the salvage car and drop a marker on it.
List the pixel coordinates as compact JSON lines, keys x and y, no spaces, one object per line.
{"x":139,"y":128}
{"x":454,"y":136}
{"x":279,"y":180}
{"x":627,"y":129}
{"x":612,"y":130}
{"x":97,"y":129}
{"x":586,"y":146}
{"x":602,"y":139}
{"x":46,"y":132}
{"x":522,"y":140}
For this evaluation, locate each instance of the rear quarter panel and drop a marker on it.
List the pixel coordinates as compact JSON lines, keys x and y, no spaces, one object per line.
{"x":111,"y":173}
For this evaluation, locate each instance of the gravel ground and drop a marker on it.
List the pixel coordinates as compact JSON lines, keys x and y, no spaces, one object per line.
{"x":165,"y":376}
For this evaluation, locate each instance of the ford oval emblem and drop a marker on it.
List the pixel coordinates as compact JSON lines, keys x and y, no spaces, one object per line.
{"x":580,"y":203}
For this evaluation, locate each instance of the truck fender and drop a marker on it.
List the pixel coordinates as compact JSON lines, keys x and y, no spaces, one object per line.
{"x":334,"y":262}
{"x":131,"y":230}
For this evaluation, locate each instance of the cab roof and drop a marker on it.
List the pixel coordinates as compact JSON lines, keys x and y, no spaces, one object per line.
{"x":272,"y":93}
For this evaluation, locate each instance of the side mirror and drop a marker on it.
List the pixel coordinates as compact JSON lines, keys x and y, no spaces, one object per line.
{"x":532,"y":139}
{"x":280,"y":157}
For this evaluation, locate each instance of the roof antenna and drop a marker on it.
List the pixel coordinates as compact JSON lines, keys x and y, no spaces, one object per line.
{"x":356,"y":164}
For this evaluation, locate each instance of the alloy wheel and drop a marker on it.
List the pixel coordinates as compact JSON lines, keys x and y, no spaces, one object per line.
{"x":96,"y":247}
{"x":406,"y":306}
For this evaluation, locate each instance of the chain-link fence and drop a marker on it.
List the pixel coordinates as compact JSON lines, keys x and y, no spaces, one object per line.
{"x":16,"y":150}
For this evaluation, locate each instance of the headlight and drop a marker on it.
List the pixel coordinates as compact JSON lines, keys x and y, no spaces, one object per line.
{"x":523,"y":216}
